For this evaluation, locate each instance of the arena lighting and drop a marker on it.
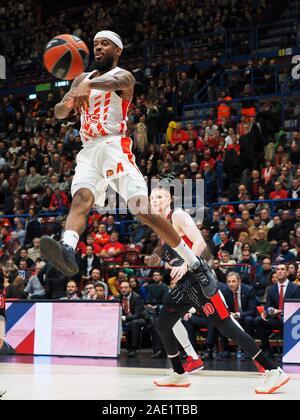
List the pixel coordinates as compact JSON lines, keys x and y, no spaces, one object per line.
{"x":61,"y":83}
{"x":32,"y":96}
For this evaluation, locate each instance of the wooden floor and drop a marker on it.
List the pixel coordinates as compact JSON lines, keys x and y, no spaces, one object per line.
{"x":73,"y":382}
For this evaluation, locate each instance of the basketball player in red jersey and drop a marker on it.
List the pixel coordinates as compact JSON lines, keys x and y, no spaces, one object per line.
{"x":102,"y":98}
{"x":188,"y":293}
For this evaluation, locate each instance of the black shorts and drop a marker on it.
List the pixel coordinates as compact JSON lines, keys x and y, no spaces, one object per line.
{"x":188,"y":293}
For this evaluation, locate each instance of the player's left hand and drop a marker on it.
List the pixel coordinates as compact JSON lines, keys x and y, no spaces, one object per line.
{"x":82,"y":96}
{"x":178,"y":272}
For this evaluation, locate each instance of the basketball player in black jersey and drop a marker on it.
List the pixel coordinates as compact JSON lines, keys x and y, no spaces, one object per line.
{"x":189,"y":293}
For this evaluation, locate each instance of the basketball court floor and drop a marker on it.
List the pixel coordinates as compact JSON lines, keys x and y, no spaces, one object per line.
{"x":41,"y":378}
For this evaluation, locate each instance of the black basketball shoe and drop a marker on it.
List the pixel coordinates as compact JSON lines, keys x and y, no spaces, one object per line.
{"x":62,"y":256}
{"x":203,"y":274}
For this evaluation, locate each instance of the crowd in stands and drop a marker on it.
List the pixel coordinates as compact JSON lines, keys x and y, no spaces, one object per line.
{"x":241,"y":155}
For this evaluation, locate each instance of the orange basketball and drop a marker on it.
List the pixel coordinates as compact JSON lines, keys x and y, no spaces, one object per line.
{"x":66,"y":56}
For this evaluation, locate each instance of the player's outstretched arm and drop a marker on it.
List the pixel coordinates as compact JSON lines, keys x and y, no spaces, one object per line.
{"x":65,"y":106}
{"x":122,"y":80}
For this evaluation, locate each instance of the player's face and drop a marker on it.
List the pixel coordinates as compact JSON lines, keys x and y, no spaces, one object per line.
{"x":160,"y":201}
{"x":105,"y":52}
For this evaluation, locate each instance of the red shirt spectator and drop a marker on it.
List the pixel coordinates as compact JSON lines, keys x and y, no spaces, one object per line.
{"x":235,"y":147}
{"x":113,"y":250}
{"x":207,"y":159}
{"x":101,"y":237}
{"x":179,"y":135}
{"x":279,"y":193}
{"x":58,"y":200}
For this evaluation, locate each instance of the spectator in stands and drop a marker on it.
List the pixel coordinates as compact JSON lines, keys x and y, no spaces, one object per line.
{"x":33,"y":181}
{"x":101,"y":237}
{"x":89,"y":292}
{"x":88,"y":263}
{"x":113,"y":250}
{"x":179,"y":135}
{"x":133,"y":317}
{"x":14,"y":289}
{"x":138,"y":288}
{"x":261,"y":247}
{"x":284,"y":254}
{"x":293,"y":271}
{"x":111,"y":225}
{"x":115,"y":281}
{"x":100,"y":292}
{"x":279,"y":193}
{"x":35,"y":252}
{"x":272,"y":316}
{"x":59,"y":201}
{"x":33,"y":227}
{"x":237,"y":250}
{"x":277,"y":233}
{"x":21,"y":233}
{"x":262,"y":279}
{"x":157,"y":291}
{"x":241,"y":302}
{"x":248,"y":105}
{"x":34,"y":288}
{"x":237,"y":229}
{"x":23,"y":255}
{"x":226,"y":263}
{"x":96,"y":279}
{"x":257,"y":225}
{"x":225,"y":245}
{"x":72,"y":291}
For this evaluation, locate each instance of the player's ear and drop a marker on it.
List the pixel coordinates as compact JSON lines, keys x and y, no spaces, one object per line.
{"x":118,"y":51}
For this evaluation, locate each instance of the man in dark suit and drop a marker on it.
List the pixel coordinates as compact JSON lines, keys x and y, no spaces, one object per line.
{"x":241,"y":301}
{"x":133,"y":316}
{"x":89,"y":262}
{"x":272,"y":316}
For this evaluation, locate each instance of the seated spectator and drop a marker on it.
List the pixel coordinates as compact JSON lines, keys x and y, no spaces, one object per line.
{"x":247,"y":261}
{"x":138,"y":288}
{"x":33,"y":228}
{"x":34,"y":288}
{"x":88,"y":263}
{"x":247,"y":221}
{"x":157,"y":291}
{"x":100,"y":292}
{"x":293,"y":271}
{"x":219,"y":273}
{"x":225,"y":245}
{"x":23,"y":255}
{"x":272,"y":316}
{"x":101,"y":237}
{"x":266,"y":218}
{"x":262,"y":279}
{"x":21,"y":232}
{"x":89,"y":292}
{"x":225,"y":262}
{"x":261,"y":247}
{"x":33,"y":181}
{"x":237,"y":229}
{"x":59,"y":201}
{"x":133,"y":317}
{"x":115,"y":281}
{"x":237,"y":250}
{"x":241,"y":302}
{"x":72,"y":291}
{"x":179,"y":135}
{"x":113,"y":250}
{"x":89,"y":242}
{"x":96,"y":279}
{"x":284,"y":255}
{"x":111,"y":225}
{"x":35,"y":252}
{"x":277,"y":233}
{"x":14,"y":289}
{"x":279,"y":193}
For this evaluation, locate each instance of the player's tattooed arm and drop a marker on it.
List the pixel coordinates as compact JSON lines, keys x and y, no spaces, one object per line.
{"x":65,"y":106}
{"x":120,"y":81}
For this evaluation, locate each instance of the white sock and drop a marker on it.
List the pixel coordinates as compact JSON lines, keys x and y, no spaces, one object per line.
{"x":186,"y":253}
{"x":182,"y":336}
{"x":70,"y":237}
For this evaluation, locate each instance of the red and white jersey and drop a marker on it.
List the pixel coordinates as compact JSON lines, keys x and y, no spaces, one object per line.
{"x":106,"y":115}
